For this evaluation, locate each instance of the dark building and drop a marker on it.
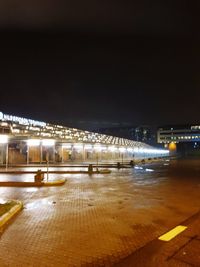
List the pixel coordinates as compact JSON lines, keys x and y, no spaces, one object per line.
{"x":143,"y":133}
{"x":119,"y":131}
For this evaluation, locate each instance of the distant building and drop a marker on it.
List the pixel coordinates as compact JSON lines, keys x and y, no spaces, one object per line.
{"x":145,"y":134}
{"x":178,"y":134}
{"x":184,"y":139}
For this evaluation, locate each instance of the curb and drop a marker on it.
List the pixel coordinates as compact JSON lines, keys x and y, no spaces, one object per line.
{"x":55,"y":183}
{"x":12,"y":212}
{"x":50,"y":172}
{"x":33,"y":184}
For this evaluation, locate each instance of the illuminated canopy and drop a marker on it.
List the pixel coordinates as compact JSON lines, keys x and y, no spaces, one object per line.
{"x":48,"y":134}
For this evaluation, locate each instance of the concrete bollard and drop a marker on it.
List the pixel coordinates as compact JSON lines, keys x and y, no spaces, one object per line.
{"x":118,"y":165}
{"x":132,"y":163}
{"x":39,"y":177}
{"x":90,"y":168}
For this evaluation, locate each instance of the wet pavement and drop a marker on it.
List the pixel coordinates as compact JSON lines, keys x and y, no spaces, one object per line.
{"x":98,"y":220}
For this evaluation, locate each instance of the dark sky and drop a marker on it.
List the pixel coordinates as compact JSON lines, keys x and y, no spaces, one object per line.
{"x":95,"y":63}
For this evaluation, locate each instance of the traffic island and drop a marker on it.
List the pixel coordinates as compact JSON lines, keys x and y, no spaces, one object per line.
{"x":57,"y":182}
{"x":101,"y":171}
{"x":8,"y":210}
{"x":50,"y":172}
{"x":54,"y":182}
{"x":104,"y":171}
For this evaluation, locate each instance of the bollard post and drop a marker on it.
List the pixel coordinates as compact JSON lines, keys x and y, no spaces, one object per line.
{"x":132,"y":163}
{"x":90,"y":168}
{"x":47,"y":159}
{"x":7,"y":151}
{"x":118,"y":165}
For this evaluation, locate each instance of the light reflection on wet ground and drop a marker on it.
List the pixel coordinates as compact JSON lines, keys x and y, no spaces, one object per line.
{"x":136,"y":204}
{"x":153,"y":182}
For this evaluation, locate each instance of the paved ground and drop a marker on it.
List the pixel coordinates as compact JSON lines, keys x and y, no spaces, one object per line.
{"x":97,"y":220}
{"x":183,"y":250}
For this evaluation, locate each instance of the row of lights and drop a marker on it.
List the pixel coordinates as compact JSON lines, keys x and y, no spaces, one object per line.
{"x":98,"y":147}
{"x":30,"y":142}
{"x":51,"y":131}
{"x":44,"y":142}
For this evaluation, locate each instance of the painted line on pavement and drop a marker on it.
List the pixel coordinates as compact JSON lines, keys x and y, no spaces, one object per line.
{"x":173,"y":233}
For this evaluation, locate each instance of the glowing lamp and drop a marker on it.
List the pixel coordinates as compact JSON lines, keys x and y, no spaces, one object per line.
{"x":48,"y":142}
{"x":112,"y":148}
{"x":33,"y":142}
{"x":88,"y":146}
{"x":3,"y":139}
{"x":67,"y":146}
{"x":78,"y":146}
{"x":172,"y":146}
{"x":98,"y":147}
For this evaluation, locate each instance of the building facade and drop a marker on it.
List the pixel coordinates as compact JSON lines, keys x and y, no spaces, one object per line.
{"x":178,"y":134}
{"x":180,"y":139}
{"x":28,"y":141}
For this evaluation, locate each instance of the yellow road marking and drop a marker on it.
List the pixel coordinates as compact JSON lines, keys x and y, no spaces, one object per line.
{"x":173,"y":233}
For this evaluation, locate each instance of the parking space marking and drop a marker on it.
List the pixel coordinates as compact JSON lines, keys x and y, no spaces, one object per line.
{"x":173,"y":233}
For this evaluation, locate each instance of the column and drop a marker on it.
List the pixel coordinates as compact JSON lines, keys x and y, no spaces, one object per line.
{"x":27,"y":155}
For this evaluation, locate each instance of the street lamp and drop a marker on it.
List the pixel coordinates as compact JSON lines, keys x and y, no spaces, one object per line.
{"x":3,"y":139}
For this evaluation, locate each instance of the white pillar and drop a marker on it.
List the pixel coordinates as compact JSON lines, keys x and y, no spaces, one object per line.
{"x":2,"y":148}
{"x":40,"y":153}
{"x":6,"y":157}
{"x":27,"y":159}
{"x":62,"y":154}
{"x":83,"y":152}
{"x":54,"y":156}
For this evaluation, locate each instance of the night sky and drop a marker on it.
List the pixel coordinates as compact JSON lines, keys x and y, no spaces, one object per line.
{"x":91,"y":64}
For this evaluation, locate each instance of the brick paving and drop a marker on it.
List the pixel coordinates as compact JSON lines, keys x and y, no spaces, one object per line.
{"x":183,"y":250}
{"x":92,"y":220}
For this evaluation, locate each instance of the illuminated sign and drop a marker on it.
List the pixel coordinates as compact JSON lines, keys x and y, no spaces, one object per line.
{"x":23,"y":121}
